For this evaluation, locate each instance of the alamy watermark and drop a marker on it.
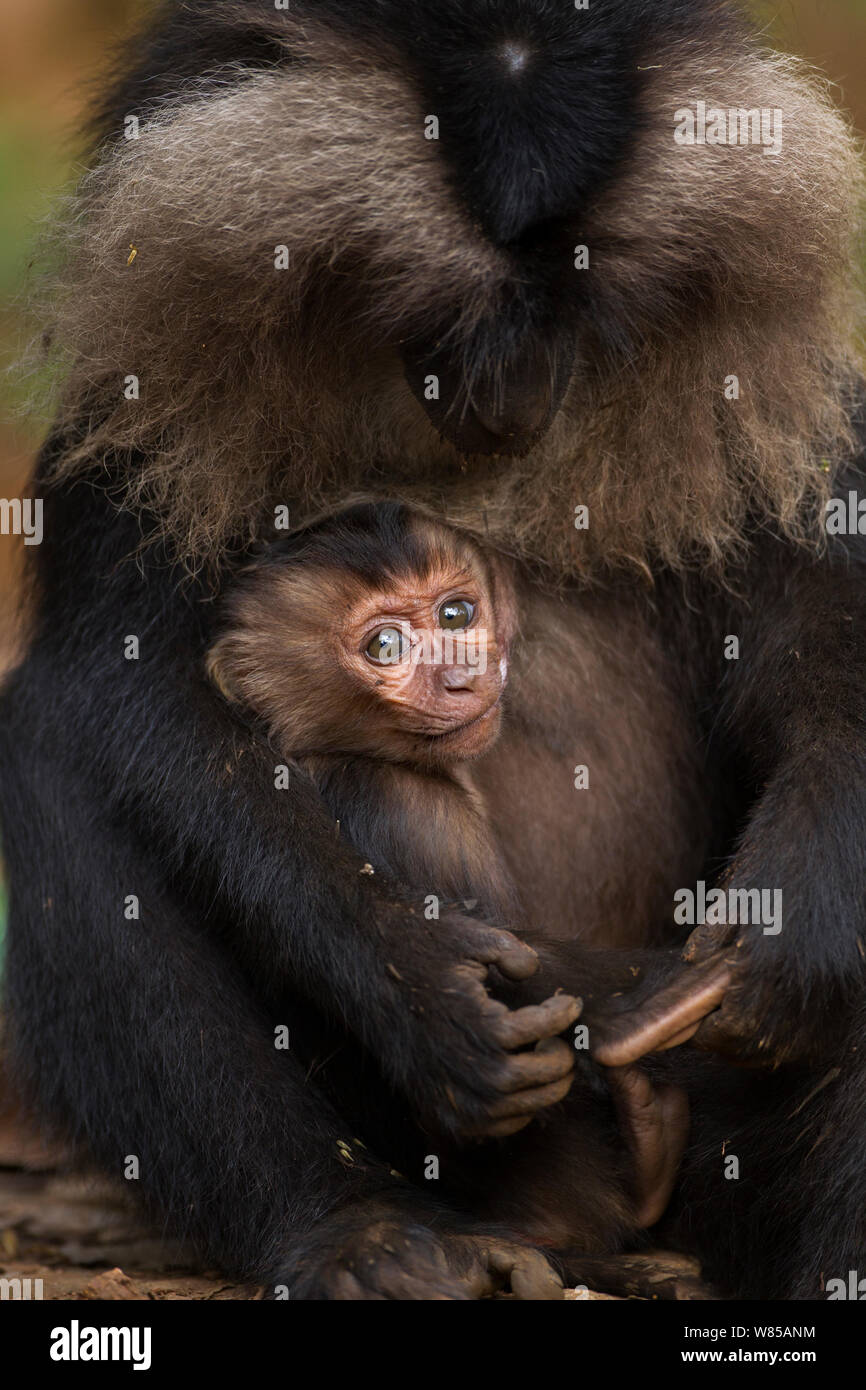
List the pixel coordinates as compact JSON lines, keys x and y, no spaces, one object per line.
{"x":23,"y":1290}
{"x":852,"y":1289}
{"x":77,"y":1343}
{"x":723,"y":906}
{"x":439,"y":647}
{"x":22,"y":516}
{"x":845,"y":516}
{"x":733,"y":125}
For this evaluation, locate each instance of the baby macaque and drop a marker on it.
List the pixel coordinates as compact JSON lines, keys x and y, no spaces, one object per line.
{"x":375,"y":646}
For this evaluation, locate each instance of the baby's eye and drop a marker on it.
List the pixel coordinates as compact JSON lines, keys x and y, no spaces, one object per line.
{"x":387,"y":646}
{"x":459,"y":612}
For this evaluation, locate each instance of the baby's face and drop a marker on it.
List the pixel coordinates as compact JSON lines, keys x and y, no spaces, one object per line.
{"x":428,"y":653}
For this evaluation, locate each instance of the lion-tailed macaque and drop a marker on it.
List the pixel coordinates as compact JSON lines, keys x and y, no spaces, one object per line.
{"x":479,"y":259}
{"x":375,"y":646}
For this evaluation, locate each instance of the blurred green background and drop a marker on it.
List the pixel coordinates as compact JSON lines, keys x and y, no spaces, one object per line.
{"x":51,"y":54}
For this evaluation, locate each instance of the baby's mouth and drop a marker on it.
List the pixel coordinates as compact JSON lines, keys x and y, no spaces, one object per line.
{"x":469,"y":723}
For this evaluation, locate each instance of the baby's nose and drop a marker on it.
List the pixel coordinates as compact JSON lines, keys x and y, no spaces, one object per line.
{"x":457,"y":678}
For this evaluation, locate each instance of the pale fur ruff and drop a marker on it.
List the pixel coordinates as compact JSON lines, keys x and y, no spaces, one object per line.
{"x":260,"y":386}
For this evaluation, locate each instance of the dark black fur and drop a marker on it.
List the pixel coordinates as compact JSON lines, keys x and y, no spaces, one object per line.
{"x":371,"y":541}
{"x":521,"y":162}
{"x":155,"y":1037}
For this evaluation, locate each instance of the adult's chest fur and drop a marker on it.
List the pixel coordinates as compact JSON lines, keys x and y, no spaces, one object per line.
{"x":596,"y":789}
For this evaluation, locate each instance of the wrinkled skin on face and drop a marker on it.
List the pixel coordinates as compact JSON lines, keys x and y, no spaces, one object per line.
{"x":405,"y":660}
{"x":441,"y":670}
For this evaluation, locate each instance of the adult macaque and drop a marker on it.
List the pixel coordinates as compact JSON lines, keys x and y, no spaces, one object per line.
{"x":563,"y":310}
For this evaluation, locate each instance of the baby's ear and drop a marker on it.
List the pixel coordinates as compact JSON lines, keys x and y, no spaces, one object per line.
{"x":218,"y":666}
